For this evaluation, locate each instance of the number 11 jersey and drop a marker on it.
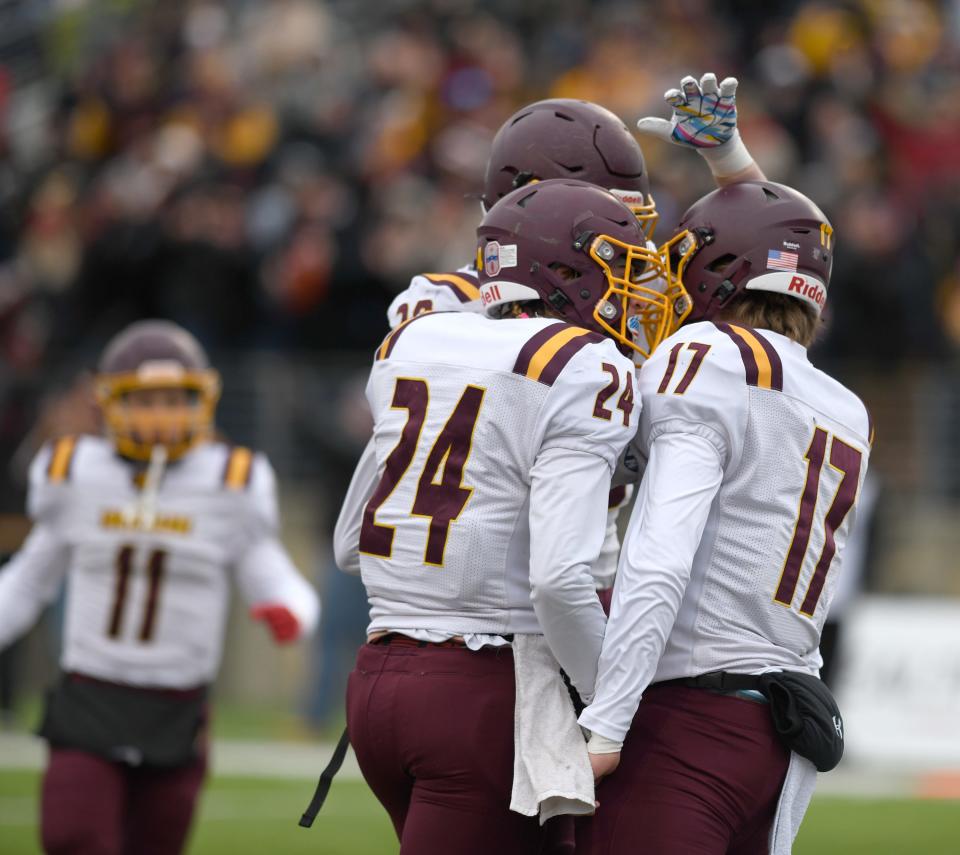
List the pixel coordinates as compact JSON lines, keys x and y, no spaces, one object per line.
{"x":148,"y":582}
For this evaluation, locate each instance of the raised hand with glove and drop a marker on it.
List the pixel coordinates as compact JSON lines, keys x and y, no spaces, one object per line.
{"x":705,"y":118}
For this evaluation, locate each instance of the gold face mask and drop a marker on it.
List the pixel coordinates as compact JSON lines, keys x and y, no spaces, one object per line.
{"x":160,"y":403}
{"x":651,"y":298}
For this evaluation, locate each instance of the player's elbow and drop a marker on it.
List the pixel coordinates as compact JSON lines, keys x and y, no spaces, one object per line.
{"x":553,"y":588}
{"x":346,"y":552}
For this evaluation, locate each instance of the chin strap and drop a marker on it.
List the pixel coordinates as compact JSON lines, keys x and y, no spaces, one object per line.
{"x":326,"y":778}
{"x":143,"y":512}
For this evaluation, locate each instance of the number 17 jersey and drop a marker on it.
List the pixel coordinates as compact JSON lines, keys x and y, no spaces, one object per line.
{"x":793,"y":445}
{"x":463,"y":406}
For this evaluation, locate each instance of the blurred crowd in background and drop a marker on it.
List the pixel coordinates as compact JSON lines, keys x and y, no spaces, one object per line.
{"x":268,"y":173}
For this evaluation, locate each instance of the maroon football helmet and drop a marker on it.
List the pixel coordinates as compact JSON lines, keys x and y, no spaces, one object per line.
{"x":578,"y":249}
{"x":754,"y":236}
{"x":565,"y":138}
{"x":162,"y":360}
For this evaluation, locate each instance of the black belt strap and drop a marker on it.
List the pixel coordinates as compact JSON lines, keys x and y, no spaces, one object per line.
{"x":326,"y":778}
{"x":722,"y":681}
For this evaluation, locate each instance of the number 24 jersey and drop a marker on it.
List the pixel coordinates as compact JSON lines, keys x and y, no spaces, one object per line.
{"x":463,"y":407}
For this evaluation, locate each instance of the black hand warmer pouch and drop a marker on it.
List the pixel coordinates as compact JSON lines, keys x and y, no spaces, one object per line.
{"x":806,"y":716}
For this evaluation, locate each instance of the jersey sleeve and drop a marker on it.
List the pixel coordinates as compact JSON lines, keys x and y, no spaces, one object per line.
{"x":33,"y":577}
{"x":681,"y":481}
{"x":695,"y":386}
{"x":587,"y":420}
{"x":604,"y":570}
{"x":50,"y":479}
{"x":346,"y":533}
{"x":262,"y":508}
{"x":592,"y":405}
{"x":435,"y":292}
{"x":31,"y":580}
{"x":265,"y":572}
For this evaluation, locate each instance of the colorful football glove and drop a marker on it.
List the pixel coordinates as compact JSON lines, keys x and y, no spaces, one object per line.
{"x":704,"y":118}
{"x":280,"y":620}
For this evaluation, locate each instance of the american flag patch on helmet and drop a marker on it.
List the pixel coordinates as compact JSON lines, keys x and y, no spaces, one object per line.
{"x":779,"y":260}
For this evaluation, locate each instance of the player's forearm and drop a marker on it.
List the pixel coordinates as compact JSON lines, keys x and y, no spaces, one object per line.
{"x":567,"y":522}
{"x":301,"y":598}
{"x":604,"y":569}
{"x":753,"y":172}
{"x":346,"y":533}
{"x":18,"y":612}
{"x":647,"y":600}
{"x":267,"y":575}
{"x":662,"y":539}
{"x":29,"y":581}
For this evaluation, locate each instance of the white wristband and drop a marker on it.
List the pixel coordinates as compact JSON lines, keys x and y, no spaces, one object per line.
{"x":601,"y":745}
{"x":727,"y":159}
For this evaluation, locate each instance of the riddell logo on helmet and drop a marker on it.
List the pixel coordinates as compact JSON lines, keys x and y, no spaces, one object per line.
{"x":489,"y":294}
{"x":629,"y":197}
{"x":811,"y":290}
{"x":802,"y":286}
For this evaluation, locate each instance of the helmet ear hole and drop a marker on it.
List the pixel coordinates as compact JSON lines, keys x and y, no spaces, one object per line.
{"x":522,"y":178}
{"x":720,"y":263}
{"x":566,"y":273}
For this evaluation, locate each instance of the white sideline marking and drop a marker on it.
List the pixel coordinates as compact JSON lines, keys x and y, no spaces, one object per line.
{"x":236,"y":757}
{"x":305,"y":760}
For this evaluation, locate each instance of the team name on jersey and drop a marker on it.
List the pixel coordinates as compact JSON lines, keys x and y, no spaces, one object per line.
{"x":168,"y":523}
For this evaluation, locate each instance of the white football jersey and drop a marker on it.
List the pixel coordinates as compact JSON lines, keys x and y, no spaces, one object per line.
{"x":436,"y":292}
{"x":731,"y":565}
{"x":794,"y":444}
{"x":464,"y":407}
{"x":148,"y":588}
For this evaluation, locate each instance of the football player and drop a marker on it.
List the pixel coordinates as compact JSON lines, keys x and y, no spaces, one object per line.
{"x":495,"y":441}
{"x":149,"y":526}
{"x":566,"y":138}
{"x":755,"y":459}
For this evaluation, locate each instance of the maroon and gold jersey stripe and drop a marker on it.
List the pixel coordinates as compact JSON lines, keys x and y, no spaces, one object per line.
{"x":61,"y":459}
{"x":547,"y":353}
{"x":535,"y":343}
{"x":238,"y":469}
{"x":462,"y":284}
{"x":761,"y":362}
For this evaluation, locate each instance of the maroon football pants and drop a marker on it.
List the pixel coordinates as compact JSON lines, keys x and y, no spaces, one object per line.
{"x":432,"y":728}
{"x":606,"y":598}
{"x":92,"y":806}
{"x":700,"y":774}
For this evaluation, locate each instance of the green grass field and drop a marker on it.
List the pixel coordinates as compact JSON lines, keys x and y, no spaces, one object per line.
{"x":257,"y":815}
